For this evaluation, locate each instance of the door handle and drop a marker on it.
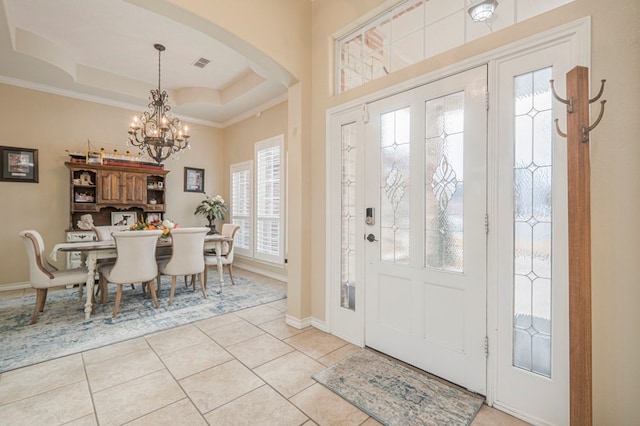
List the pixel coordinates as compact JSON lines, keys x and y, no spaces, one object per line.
{"x":371,"y":238}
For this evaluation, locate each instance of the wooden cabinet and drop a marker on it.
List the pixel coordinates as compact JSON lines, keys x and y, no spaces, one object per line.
{"x":101,"y":190}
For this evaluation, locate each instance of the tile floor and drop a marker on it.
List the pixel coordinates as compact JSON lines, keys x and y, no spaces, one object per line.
{"x":243,"y":368}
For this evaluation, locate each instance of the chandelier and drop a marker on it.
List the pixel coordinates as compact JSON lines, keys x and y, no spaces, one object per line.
{"x":156,"y":132}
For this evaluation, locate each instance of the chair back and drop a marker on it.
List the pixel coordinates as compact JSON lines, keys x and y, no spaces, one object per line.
{"x":188,"y":248}
{"x":228,"y":230}
{"x":136,"y":256}
{"x":40,"y":271}
{"x":103,"y":233}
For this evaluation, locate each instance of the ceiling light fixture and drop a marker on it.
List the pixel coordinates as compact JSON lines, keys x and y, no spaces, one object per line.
{"x":156,"y":132}
{"x":483,"y":10}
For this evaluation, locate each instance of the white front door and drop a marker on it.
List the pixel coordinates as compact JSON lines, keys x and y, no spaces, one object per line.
{"x":425,"y":256}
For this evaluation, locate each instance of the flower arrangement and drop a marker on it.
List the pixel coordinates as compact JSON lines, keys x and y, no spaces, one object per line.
{"x":212,"y":208}
{"x":165,"y":226}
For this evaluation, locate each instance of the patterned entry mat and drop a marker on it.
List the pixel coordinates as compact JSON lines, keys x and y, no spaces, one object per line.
{"x":396,"y":395}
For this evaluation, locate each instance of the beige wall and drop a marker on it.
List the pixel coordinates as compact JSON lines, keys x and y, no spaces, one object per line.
{"x":239,"y":143}
{"x":615,"y":174}
{"x":53,"y":124}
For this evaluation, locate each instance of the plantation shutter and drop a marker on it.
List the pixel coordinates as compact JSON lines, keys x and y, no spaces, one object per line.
{"x":269,"y":201}
{"x":241,"y":209}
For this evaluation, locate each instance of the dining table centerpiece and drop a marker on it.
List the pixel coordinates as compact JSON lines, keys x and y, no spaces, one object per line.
{"x":163,"y":225}
{"x":212,"y":208}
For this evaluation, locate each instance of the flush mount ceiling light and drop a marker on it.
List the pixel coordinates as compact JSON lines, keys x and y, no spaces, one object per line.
{"x":483,"y":10}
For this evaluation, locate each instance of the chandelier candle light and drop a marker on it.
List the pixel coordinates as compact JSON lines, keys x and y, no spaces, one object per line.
{"x":157,"y":133}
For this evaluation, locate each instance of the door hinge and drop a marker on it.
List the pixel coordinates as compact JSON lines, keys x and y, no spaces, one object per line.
{"x":486,"y":223}
{"x":365,"y":113}
{"x":486,"y":100}
{"x":486,"y":347}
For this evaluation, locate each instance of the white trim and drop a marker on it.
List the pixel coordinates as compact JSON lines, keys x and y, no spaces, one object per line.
{"x":15,"y":286}
{"x":269,"y":274}
{"x":297,"y":323}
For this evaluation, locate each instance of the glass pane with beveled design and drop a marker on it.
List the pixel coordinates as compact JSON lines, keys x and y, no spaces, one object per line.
{"x":348,"y":219}
{"x":532,"y":230}
{"x":394,"y":185}
{"x":444,"y":183}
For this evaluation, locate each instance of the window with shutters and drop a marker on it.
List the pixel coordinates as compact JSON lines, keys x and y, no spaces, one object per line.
{"x":241,"y":206}
{"x":257,"y":202}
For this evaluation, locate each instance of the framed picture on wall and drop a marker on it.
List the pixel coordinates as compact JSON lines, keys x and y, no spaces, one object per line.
{"x":193,"y":180}
{"x":123,"y":218}
{"x":18,"y":164}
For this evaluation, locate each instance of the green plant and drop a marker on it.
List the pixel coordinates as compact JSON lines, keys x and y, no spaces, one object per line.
{"x":212,"y":208}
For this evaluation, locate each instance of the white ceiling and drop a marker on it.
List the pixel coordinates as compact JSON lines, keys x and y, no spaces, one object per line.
{"x":102,"y":50}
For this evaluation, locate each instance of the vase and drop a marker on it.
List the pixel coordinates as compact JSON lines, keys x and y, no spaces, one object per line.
{"x":212,"y":227}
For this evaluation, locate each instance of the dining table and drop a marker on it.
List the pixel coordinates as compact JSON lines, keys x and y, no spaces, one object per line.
{"x":92,"y":251}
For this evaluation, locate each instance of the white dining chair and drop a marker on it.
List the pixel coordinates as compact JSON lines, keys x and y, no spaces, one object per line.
{"x":186,"y":257}
{"x":43,"y":275}
{"x":103,"y":233}
{"x":135,"y":262}
{"x":211,"y":259}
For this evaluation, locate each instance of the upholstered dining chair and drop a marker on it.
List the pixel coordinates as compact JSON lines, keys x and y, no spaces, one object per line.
{"x":186,"y":258}
{"x":43,"y":275}
{"x":103,"y":233}
{"x":135,"y":262}
{"x":211,"y":259}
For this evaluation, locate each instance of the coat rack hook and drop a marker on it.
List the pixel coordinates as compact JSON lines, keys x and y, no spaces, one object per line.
{"x":587,"y":130}
{"x":599,"y":94}
{"x":560,"y":132}
{"x":567,"y":102}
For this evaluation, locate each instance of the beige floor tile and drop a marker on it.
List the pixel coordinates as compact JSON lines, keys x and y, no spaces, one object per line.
{"x":39,"y":378}
{"x":279,"y":305}
{"x":315,"y":343}
{"x":339,"y":354}
{"x":371,"y":422}
{"x":280,"y":329}
{"x":488,"y":416}
{"x":123,"y":369}
{"x":257,"y":351}
{"x":216,"y":322}
{"x":233,"y":333}
{"x":89,"y":420}
{"x":218,"y":385}
{"x":194,"y":359}
{"x":56,"y":406}
{"x":179,"y":413}
{"x":309,"y":423}
{"x":101,"y":355}
{"x":263,"y":406}
{"x":174,"y":339}
{"x":325,"y":407}
{"x":128,"y":401}
{"x":290,"y":374}
{"x":259,"y":314}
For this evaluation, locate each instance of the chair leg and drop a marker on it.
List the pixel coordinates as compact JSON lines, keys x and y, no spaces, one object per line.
{"x":173,"y":289}
{"x":206,"y":275}
{"x":102,"y":285}
{"x":117,"y":303}
{"x":231,"y":273}
{"x":158,"y":281}
{"x":202,"y":287}
{"x":41,"y":297}
{"x":152,"y":290}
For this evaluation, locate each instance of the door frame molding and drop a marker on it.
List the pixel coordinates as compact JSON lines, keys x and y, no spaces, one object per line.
{"x":578,"y":34}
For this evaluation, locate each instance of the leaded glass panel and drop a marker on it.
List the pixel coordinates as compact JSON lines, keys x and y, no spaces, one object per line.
{"x":532,"y":232}
{"x":348,"y":217}
{"x":444,"y":183}
{"x":394,"y":186}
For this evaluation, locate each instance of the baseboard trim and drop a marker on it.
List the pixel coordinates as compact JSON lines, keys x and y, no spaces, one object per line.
{"x":268,"y":274}
{"x":15,"y":286}
{"x":297,"y":323}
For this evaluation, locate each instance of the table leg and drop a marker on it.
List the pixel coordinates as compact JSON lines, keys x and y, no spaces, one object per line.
{"x":219,"y":256}
{"x":80,"y":288}
{"x":91,"y":276}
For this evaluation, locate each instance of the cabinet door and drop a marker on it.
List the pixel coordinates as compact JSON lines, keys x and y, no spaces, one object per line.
{"x":111,"y":187}
{"x":135,"y":188}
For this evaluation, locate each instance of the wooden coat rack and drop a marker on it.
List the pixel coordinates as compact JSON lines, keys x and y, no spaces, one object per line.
{"x":579,"y":204}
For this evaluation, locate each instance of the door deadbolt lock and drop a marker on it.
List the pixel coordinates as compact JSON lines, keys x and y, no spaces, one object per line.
{"x":371,"y":238}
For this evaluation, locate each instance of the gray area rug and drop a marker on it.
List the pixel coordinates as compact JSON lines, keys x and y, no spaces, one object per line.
{"x":62,"y":330}
{"x":396,"y":395}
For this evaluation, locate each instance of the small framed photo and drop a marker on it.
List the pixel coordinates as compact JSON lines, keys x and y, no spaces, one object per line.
{"x":193,"y":180}
{"x":154,"y":217}
{"x":18,"y":164}
{"x":123,"y":218}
